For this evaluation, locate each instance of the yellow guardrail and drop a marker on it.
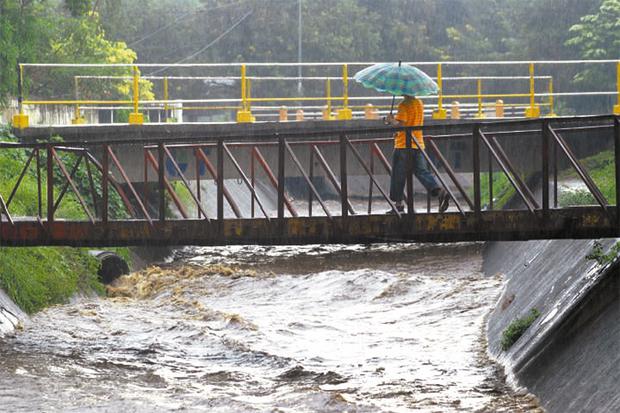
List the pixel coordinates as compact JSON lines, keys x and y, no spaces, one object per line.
{"x":329,"y":111}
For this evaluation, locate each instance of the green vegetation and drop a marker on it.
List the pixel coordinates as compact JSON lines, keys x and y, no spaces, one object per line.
{"x":60,"y":31}
{"x":502,"y":189}
{"x":597,"y":254}
{"x":183,"y":194}
{"x":38,"y":277}
{"x":516,"y":329}
{"x":577,"y":197}
{"x":115,"y":31}
{"x":601,"y":169}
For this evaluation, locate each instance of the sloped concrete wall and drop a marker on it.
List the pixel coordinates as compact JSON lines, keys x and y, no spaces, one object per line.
{"x":10,"y":314}
{"x":570,"y":356}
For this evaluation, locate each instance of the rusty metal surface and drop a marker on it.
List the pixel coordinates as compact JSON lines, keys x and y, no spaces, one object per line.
{"x":583,"y":222}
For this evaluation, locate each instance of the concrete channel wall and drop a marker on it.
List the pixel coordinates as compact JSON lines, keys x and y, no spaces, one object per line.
{"x":570,"y":356}
{"x":10,"y":314}
{"x":44,"y":114}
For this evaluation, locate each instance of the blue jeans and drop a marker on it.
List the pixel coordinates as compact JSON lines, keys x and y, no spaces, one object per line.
{"x":420,"y":170}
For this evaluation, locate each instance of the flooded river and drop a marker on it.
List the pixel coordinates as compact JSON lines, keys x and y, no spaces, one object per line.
{"x":380,"y":328}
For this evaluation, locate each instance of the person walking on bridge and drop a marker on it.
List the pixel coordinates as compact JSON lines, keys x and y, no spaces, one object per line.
{"x":411,"y":113}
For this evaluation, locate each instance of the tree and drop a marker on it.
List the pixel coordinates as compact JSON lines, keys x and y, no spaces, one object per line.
{"x":82,"y":40}
{"x":78,"y":8}
{"x":23,"y":34}
{"x":597,"y":36}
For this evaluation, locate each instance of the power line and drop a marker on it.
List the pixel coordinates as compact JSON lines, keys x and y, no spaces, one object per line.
{"x":182,"y":17}
{"x":231,"y":28}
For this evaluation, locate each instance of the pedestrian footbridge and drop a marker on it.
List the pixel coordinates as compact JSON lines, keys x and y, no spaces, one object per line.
{"x":284,"y":183}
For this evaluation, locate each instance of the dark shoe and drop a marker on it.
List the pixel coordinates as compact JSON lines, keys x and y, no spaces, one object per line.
{"x":444,"y":200}
{"x":400,"y":208}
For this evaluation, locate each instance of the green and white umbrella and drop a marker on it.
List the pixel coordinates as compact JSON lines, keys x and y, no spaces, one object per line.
{"x":397,"y":79}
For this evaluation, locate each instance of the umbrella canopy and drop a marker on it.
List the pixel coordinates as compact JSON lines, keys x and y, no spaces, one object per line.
{"x":397,"y":80}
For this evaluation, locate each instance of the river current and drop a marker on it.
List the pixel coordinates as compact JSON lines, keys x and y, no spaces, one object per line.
{"x":377,"y":328}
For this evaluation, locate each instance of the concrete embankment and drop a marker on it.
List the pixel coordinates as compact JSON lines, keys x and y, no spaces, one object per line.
{"x":10,"y":314}
{"x":570,"y":356}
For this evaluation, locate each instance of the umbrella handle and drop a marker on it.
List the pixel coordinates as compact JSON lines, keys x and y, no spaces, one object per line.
{"x":394,"y":96}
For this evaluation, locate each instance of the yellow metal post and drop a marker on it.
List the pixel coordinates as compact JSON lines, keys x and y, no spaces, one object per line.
{"x":480,"y":114}
{"x":345,"y":113}
{"x":552,"y":113}
{"x":617,"y":106}
{"x":77,"y":119}
{"x":440,"y":113}
{"x":244,"y":115}
{"x":533,"y":111}
{"x":20,"y":121}
{"x":136,"y":118}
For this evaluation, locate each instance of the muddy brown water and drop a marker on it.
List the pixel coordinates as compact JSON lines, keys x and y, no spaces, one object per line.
{"x":379,"y":328}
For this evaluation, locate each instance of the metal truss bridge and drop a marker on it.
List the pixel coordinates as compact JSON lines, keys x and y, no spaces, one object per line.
{"x":325,"y":182}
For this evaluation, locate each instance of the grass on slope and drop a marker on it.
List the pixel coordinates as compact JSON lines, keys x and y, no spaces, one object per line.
{"x":39,"y":277}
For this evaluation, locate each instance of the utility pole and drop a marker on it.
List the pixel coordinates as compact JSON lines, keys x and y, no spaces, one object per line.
{"x":299,"y":56}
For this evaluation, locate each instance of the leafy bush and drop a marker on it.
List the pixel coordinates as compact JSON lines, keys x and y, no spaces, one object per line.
{"x":597,"y":254}
{"x":574,"y":198}
{"x":516,"y":329}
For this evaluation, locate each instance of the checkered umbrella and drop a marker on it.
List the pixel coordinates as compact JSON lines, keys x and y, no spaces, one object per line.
{"x":397,"y":79}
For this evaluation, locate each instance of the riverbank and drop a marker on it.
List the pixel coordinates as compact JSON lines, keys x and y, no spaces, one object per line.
{"x":569,"y":356}
{"x":36,"y":278}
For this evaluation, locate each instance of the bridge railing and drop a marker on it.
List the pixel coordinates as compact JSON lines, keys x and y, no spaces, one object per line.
{"x":268,"y":169}
{"x":257,"y":91}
